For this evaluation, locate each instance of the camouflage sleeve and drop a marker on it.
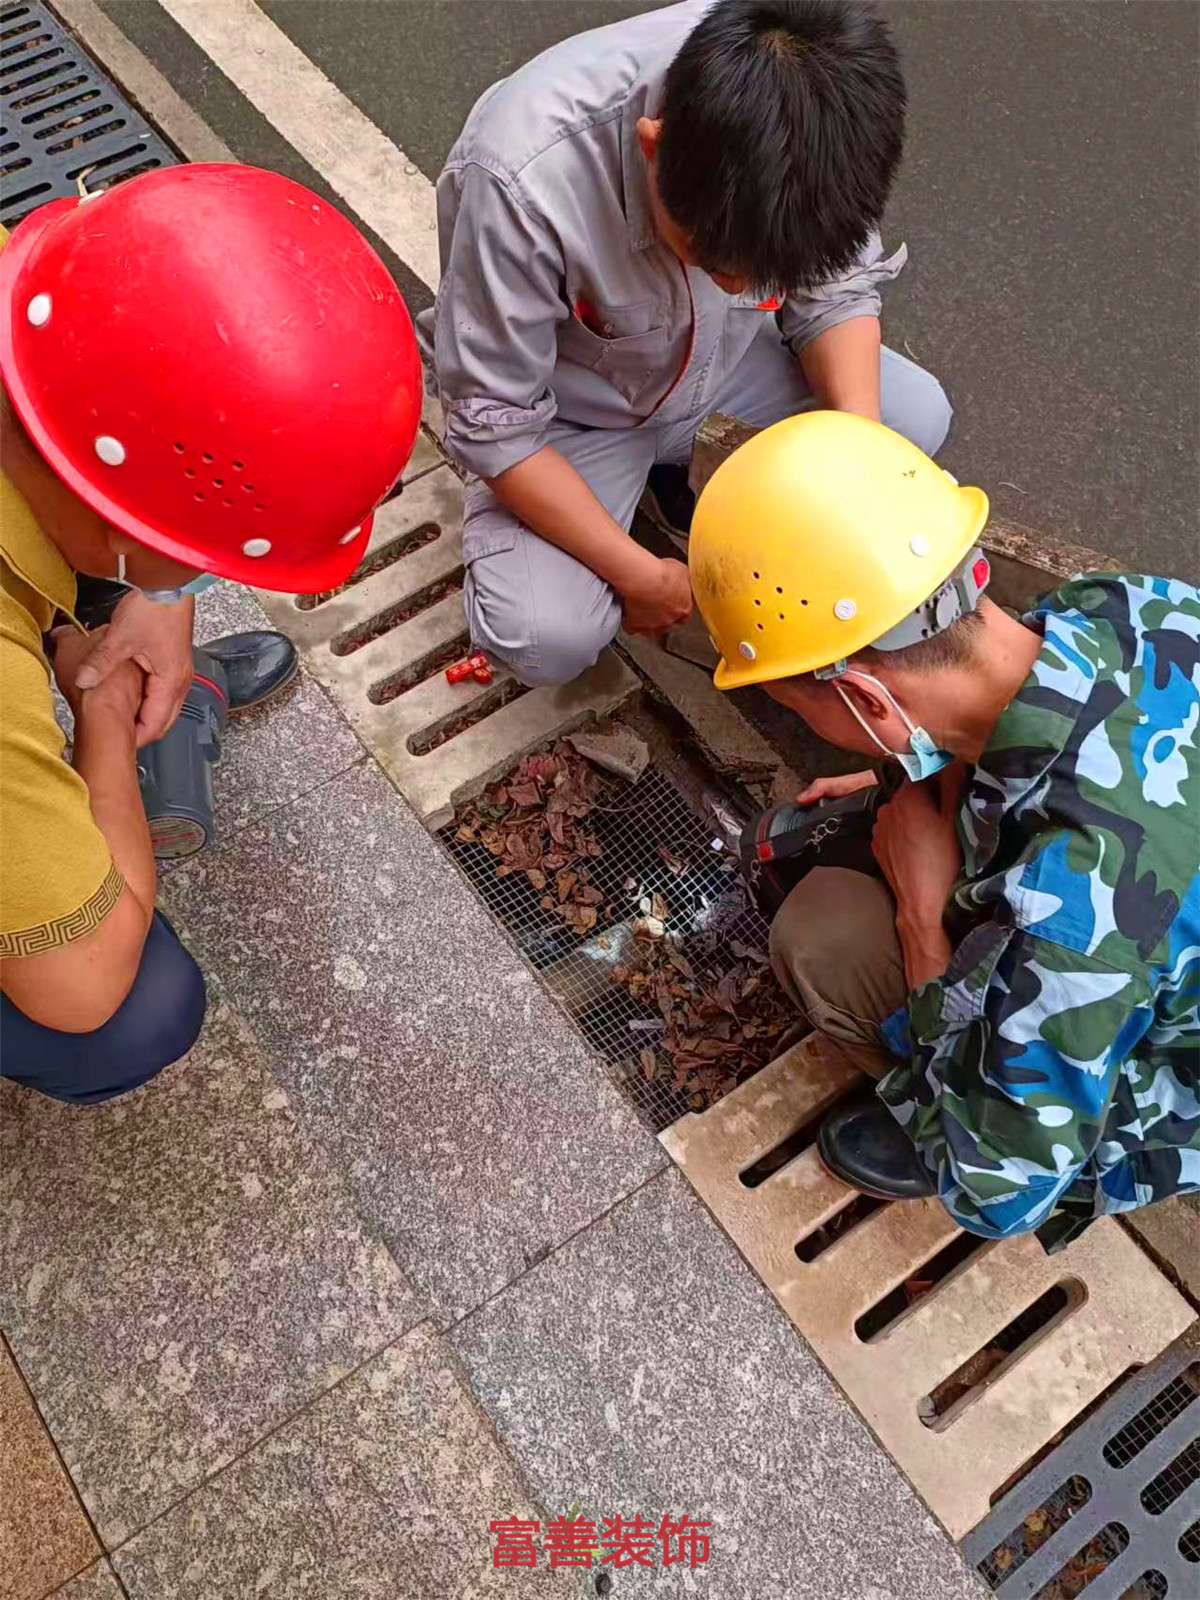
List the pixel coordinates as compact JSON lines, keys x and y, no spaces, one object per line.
{"x":1017,"y":1051}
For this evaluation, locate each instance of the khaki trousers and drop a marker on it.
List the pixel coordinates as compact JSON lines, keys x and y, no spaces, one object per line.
{"x":835,"y":951}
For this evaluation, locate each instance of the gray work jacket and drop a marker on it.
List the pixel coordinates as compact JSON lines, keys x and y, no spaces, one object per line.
{"x":557,"y":298}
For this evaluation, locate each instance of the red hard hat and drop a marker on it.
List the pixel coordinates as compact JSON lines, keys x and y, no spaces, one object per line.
{"x":219,"y":364}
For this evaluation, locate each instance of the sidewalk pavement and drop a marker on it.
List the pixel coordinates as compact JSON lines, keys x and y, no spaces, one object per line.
{"x":388,"y":1257}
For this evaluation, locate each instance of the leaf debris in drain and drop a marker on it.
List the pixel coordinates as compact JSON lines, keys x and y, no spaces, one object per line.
{"x":712,"y":1012}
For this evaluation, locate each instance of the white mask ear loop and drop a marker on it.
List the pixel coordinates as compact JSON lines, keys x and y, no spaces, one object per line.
{"x":120,"y":566}
{"x":862,"y":722}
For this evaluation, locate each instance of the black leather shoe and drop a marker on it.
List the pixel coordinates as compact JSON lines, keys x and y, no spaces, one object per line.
{"x":257,"y":665}
{"x":861,"y":1143}
{"x":669,"y":502}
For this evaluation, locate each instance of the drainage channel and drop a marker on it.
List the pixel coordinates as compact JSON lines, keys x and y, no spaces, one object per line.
{"x":63,"y":124}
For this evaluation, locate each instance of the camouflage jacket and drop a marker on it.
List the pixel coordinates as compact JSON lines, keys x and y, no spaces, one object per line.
{"x":1056,"y":1064}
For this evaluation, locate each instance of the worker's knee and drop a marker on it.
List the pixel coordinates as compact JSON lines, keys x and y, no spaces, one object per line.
{"x":543,"y":638}
{"x":157,"y":1023}
{"x":913,"y":402}
{"x":566,"y":647}
{"x":834,"y":947}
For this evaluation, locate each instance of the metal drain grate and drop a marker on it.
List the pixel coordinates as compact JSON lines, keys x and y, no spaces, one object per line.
{"x":62,"y":119}
{"x":1111,"y":1512}
{"x":652,"y":844}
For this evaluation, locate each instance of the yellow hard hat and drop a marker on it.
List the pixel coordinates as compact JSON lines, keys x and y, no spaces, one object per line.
{"x":819,"y":536}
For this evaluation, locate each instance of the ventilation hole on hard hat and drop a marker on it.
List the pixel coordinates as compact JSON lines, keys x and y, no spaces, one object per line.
{"x":218,"y":483}
{"x":247,"y":488}
{"x":778,"y":590}
{"x":758,"y":602}
{"x":189,"y":472}
{"x":756,"y":577}
{"x":178,"y":447}
{"x":804,"y":602}
{"x":207,"y":458}
{"x":199,"y":496}
{"x":237,"y":466}
{"x":226,"y":502}
{"x":759,"y":626}
{"x":260,"y":508}
{"x":781,"y":617}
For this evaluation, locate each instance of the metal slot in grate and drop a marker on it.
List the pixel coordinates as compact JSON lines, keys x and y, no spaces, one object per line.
{"x":1125,"y":1480}
{"x":61,"y":120}
{"x":652,"y":848}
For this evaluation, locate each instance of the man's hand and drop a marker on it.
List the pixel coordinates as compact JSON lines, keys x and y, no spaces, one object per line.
{"x":915,"y":842}
{"x":120,"y":693}
{"x":836,"y":787}
{"x":659,"y":598}
{"x":158,"y":640}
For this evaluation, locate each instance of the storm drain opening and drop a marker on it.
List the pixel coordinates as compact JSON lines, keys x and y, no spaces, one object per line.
{"x":840,"y":1226}
{"x":642,"y":930}
{"x":882,"y":1318}
{"x":1118,"y":1487}
{"x":375,"y":561}
{"x":960,"y":1388}
{"x":61,"y":119}
{"x":449,"y":727}
{"x":430,"y":665}
{"x":403,"y":611}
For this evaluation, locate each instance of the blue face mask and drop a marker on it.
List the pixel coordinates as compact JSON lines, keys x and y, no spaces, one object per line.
{"x":922,"y":758}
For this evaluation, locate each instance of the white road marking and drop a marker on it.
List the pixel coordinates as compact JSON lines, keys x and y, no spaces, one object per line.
{"x":373,"y":176}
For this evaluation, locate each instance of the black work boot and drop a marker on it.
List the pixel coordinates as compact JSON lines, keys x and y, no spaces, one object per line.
{"x":669,"y":502}
{"x":861,"y":1143}
{"x":257,"y":665}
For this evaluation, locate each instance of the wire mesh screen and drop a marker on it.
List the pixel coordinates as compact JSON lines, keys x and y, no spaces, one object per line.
{"x":669,"y":933}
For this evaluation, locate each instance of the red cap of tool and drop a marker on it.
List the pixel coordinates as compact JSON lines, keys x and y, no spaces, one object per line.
{"x":218,"y":363}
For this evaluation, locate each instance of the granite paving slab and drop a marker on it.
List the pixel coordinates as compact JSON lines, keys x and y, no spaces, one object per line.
{"x":44,"y":1536}
{"x":182,"y":1272}
{"x":97,"y":1583}
{"x":643,"y":1369}
{"x":476,"y":1128}
{"x":382,"y":1490}
{"x":292,"y":744}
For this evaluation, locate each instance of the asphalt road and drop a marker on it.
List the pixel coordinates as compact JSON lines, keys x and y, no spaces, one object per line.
{"x":1049,"y":199}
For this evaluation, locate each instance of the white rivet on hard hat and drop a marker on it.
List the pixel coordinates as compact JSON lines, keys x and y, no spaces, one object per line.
{"x":39,"y":309}
{"x":843,"y":610}
{"x":256,"y":547}
{"x":349,"y":538}
{"x":747,"y":649}
{"x":919,"y":544}
{"x":111,"y":451}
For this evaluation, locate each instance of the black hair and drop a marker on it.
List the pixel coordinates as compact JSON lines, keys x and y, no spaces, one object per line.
{"x":952,"y":647}
{"x":782,"y":127}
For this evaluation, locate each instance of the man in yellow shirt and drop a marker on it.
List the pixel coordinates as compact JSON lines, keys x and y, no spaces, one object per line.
{"x":205,"y":369}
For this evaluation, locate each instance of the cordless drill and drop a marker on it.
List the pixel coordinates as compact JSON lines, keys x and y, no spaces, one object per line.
{"x":175,"y":773}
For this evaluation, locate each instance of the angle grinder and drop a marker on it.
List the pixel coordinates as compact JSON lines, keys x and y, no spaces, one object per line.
{"x":781,"y":845}
{"x":175,"y":773}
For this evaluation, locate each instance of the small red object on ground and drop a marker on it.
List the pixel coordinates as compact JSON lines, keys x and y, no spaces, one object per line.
{"x":483,"y":674}
{"x":479,"y":662}
{"x":459,"y":672}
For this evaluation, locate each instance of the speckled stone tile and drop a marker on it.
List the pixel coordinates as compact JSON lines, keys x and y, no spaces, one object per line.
{"x":97,"y":1583}
{"x":285,"y":748}
{"x":643,"y":1368}
{"x":383,"y":1490}
{"x":183,"y":1271}
{"x":476,"y":1128}
{"x":44,"y":1536}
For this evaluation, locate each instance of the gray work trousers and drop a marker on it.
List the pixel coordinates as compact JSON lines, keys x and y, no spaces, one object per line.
{"x":547,"y":615}
{"x":837,"y":955}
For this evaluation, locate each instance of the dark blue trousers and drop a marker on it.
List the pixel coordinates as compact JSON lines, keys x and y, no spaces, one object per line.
{"x":159,"y":1021}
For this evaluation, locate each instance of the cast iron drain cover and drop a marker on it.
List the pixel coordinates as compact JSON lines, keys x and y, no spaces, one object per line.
{"x":61,"y":120}
{"x":1117,"y":1502}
